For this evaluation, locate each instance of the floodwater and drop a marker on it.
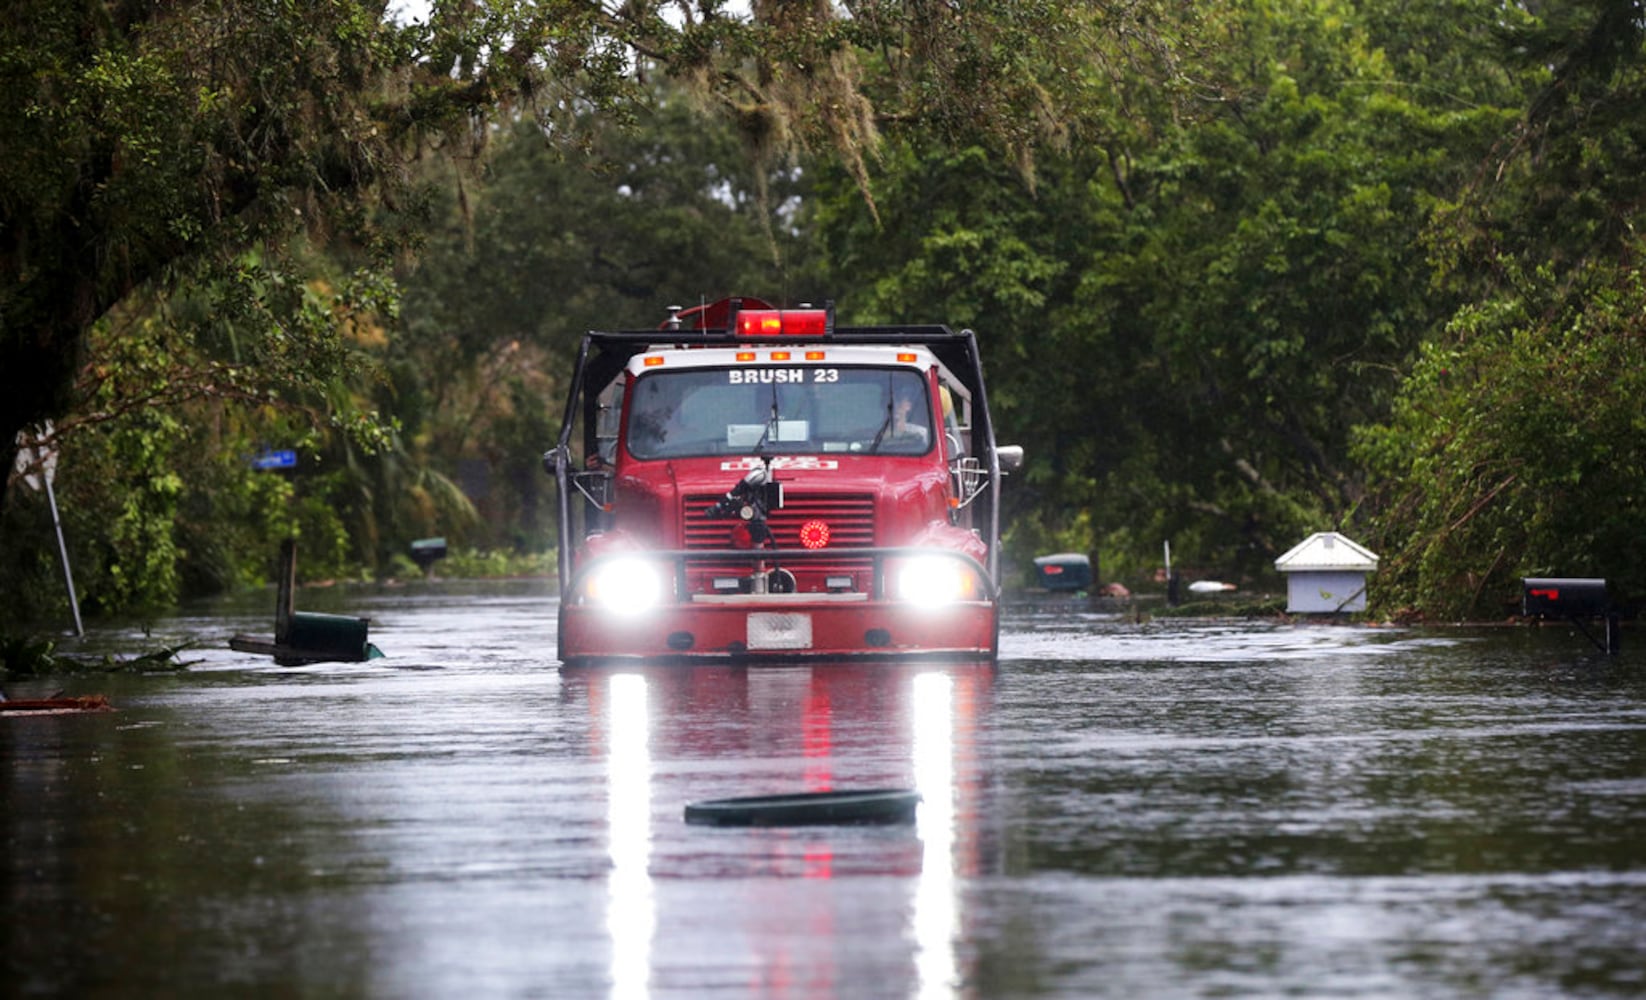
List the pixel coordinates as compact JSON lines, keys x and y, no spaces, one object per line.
{"x":1114,"y":810}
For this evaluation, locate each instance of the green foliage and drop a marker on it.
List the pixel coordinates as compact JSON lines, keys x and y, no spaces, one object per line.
{"x":960,"y":238}
{"x":158,"y":497}
{"x":1226,"y":263}
{"x":25,"y":657}
{"x":145,"y":141}
{"x":155,"y":143}
{"x":1185,"y":315}
{"x":1517,"y":450}
{"x":479,"y":563}
{"x":1267,"y":267}
{"x":1515,"y":447}
{"x":545,"y":247}
{"x":165,"y":163}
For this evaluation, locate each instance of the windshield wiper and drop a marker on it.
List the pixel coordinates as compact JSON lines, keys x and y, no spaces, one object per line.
{"x":885,"y":425}
{"x":771,"y":422}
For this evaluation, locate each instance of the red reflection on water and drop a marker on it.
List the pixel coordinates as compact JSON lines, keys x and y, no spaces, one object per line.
{"x":816,"y":736}
{"x":816,"y":725}
{"x":718,"y":732}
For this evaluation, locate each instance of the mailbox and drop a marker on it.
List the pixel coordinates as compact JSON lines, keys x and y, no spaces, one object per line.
{"x":1562,"y":597}
{"x":328,"y":637}
{"x":1574,"y":599}
{"x":1065,"y":571}
{"x":302,"y":637}
{"x":425,"y":551}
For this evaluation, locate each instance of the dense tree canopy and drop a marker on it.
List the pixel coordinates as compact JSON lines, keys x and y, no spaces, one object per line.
{"x":1191,"y":310}
{"x":546,"y":248}
{"x":191,"y":150}
{"x":1240,"y":273}
{"x":146,"y":142}
{"x":1515,"y":447}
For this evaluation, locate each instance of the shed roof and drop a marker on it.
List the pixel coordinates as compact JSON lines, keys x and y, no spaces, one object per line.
{"x":1327,"y":550}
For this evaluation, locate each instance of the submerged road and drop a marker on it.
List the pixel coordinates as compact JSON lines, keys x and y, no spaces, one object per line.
{"x":1114,"y":810}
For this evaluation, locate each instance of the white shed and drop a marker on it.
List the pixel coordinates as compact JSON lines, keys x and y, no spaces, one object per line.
{"x":1326,"y":572}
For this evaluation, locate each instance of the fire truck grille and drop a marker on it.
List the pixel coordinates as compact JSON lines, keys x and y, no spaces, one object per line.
{"x":850,"y":520}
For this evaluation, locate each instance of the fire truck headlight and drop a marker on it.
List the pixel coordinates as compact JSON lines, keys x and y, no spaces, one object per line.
{"x":626,"y":586}
{"x":932,"y":581}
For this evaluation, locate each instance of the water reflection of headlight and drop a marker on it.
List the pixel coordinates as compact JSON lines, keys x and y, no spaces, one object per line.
{"x":936,"y":916}
{"x":933,"y":581}
{"x":627,"y":586}
{"x":631,"y":908}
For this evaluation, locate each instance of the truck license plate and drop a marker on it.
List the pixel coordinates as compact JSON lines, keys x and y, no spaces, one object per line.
{"x":779,"y":630}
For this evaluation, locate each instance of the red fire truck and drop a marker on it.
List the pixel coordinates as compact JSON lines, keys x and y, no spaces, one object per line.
{"x":749,"y":483}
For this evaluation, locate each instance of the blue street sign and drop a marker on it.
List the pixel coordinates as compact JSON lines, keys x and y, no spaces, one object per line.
{"x":283,"y":459}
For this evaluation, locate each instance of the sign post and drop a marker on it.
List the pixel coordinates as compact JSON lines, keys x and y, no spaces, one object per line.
{"x":30,"y":454}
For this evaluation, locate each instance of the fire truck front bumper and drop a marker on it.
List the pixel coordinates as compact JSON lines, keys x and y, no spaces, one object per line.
{"x":920,"y":604}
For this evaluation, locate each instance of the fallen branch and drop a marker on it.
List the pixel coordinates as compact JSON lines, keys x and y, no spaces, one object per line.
{"x":1478,"y":505}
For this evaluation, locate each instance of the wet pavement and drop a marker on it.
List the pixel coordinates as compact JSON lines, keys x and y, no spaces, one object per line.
{"x":1114,"y":810}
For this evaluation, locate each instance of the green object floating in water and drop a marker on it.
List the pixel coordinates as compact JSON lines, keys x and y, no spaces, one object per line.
{"x":863,"y":806}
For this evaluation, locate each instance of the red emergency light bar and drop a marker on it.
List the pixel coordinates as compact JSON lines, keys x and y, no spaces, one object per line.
{"x":783,"y":323}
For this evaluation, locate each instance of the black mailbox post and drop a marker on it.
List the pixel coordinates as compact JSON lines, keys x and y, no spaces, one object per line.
{"x":1572,"y":598}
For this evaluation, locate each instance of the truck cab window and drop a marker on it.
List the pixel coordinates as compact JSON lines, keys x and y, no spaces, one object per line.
{"x":803,"y":409}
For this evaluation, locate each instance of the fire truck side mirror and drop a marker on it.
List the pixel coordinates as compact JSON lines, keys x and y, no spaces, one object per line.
{"x":552,"y":460}
{"x":1011,"y":457}
{"x":1565,"y":598}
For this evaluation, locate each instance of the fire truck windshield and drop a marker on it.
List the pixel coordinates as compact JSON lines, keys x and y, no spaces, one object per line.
{"x":796,"y":409}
